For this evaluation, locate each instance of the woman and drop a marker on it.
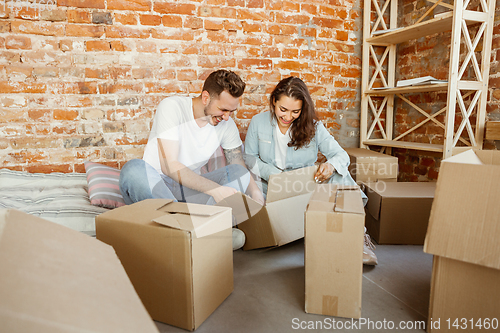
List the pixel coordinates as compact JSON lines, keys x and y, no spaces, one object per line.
{"x":289,"y":137}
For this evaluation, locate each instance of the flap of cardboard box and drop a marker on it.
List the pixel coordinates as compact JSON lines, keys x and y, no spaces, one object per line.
{"x":488,"y":156}
{"x":243,"y":206}
{"x":467,"y":157}
{"x":338,"y":198}
{"x":349,"y":201}
{"x":477,"y":157}
{"x":291,"y":183}
{"x":465,"y":218}
{"x":321,"y":206}
{"x":57,"y":279}
{"x":201,"y":220}
{"x":191,"y":209}
{"x":287,"y":218}
{"x":324,"y":192}
{"x":253,"y":219}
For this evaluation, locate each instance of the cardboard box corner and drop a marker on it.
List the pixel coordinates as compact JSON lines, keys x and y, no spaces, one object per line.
{"x":42,"y":262}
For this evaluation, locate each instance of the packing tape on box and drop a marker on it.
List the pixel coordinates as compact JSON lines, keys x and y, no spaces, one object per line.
{"x":334,"y":222}
{"x":330,"y":305}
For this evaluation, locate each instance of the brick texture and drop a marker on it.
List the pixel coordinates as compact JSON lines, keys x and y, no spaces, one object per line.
{"x":81,"y":80}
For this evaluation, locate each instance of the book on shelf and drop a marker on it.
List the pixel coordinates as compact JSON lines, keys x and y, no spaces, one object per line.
{"x":419,"y":81}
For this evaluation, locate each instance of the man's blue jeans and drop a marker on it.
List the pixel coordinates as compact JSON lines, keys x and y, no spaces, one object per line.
{"x":140,"y":181}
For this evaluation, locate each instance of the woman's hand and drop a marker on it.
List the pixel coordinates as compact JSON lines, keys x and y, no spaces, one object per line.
{"x":325,"y":171}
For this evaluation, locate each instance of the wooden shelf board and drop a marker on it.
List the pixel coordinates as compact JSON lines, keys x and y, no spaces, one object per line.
{"x":411,"y":89}
{"x":404,"y":144}
{"x":415,"y":31}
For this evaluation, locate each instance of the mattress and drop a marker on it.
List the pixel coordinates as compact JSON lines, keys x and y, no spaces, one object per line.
{"x":58,"y":197}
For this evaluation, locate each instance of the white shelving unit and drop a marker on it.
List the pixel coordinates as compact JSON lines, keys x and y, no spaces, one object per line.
{"x":465,"y":97}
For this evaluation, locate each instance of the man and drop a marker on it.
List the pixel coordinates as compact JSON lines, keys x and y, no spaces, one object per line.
{"x":185,"y":134}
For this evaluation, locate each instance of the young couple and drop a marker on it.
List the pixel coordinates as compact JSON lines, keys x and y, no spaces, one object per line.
{"x":187,"y":131}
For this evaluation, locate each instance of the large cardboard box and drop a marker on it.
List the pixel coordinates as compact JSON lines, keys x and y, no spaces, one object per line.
{"x":334,"y":228}
{"x":371,"y":166}
{"x":463,"y":236}
{"x":54,"y":279}
{"x":178,"y":256}
{"x":281,"y":220}
{"x":398,"y":213}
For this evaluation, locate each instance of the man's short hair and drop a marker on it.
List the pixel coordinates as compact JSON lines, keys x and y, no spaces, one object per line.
{"x":224,"y":80}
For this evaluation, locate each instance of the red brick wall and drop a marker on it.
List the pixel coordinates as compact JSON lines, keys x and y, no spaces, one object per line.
{"x":430,"y":56}
{"x":80,"y":80}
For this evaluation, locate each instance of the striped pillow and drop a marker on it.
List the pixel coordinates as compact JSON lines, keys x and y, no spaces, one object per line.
{"x":103,"y":185}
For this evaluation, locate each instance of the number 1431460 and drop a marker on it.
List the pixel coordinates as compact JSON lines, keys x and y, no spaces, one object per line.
{"x":468,"y":323}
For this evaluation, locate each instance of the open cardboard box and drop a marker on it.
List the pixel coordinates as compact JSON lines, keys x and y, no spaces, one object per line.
{"x":371,"y":166}
{"x":333,"y":252}
{"x":281,"y":220}
{"x":54,"y":279}
{"x":178,"y":256}
{"x":398,"y":213}
{"x":463,"y":235}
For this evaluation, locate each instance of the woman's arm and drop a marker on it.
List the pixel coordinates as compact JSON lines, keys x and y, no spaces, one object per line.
{"x":252,"y":155}
{"x":334,"y":153}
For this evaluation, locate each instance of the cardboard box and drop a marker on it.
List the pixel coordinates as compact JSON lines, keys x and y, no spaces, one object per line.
{"x":281,"y":221}
{"x":178,"y":256}
{"x":54,"y":279}
{"x":398,"y":213}
{"x":333,"y":258}
{"x":371,"y":166}
{"x":463,"y":236}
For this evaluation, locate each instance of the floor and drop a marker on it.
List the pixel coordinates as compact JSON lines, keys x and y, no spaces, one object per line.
{"x":268,"y":294}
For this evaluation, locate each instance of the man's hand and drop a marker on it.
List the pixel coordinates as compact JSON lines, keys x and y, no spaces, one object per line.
{"x":257,"y":195}
{"x":169,"y":150}
{"x":325,"y":171}
{"x":235,"y":156}
{"x":221,"y":192}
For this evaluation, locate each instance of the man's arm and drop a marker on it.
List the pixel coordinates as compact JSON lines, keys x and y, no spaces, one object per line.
{"x":235,"y":156}
{"x":170,"y":166}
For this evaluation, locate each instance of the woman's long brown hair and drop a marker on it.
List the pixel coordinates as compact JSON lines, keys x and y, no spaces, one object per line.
{"x":304,"y":127}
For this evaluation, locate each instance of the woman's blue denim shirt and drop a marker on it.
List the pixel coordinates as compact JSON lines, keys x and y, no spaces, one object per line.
{"x":260,"y":151}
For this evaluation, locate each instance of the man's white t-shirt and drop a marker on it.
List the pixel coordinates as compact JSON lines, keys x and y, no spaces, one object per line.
{"x":174,"y":120}
{"x":281,"y":146}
